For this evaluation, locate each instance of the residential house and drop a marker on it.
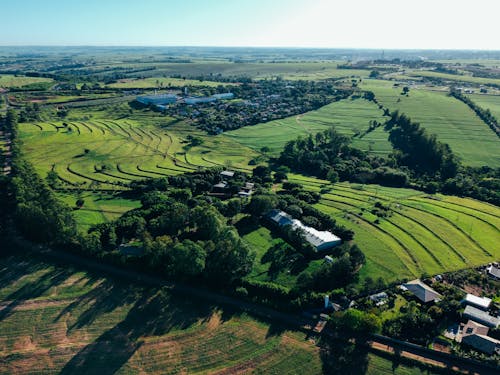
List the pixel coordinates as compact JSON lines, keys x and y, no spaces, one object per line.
{"x":422,"y":291}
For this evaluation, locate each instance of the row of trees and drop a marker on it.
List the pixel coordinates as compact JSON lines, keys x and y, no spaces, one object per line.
{"x":484,"y":114}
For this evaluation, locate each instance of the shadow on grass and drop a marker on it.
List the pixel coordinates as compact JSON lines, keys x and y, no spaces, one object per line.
{"x":154,"y":312}
{"x":34,"y":289}
{"x":339,"y":356}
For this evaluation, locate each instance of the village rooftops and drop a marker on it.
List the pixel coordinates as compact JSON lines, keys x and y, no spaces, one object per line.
{"x":423,"y":292}
{"x":480,"y":302}
{"x":481,"y":316}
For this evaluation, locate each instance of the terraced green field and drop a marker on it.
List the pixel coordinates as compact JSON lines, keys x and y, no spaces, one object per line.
{"x":103,"y":153}
{"x":9,"y":80}
{"x":348,"y":117}
{"x":451,"y":120}
{"x":423,"y":234}
{"x":58,"y":320}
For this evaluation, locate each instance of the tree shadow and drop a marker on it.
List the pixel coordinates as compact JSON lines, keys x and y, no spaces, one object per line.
{"x":339,"y":356}
{"x":34,"y":289}
{"x":282,"y":257}
{"x":246,"y":225}
{"x":155,"y":312}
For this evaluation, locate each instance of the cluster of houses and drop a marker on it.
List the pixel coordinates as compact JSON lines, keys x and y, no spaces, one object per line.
{"x":474,"y":332}
{"x":320,"y":240}
{"x":162,"y":100}
{"x":223,"y":188}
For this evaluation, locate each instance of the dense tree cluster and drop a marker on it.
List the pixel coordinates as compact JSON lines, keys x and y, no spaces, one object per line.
{"x":329,"y":155}
{"x":419,"y":151}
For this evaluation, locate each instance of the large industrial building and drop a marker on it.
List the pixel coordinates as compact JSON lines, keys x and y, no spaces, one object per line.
{"x":321,"y":240}
{"x":159,"y":99}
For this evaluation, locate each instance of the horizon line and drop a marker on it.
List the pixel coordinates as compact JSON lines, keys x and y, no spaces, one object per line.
{"x":241,"y":46}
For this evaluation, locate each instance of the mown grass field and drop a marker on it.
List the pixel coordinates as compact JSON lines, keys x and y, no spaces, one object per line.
{"x":58,"y":320}
{"x":9,"y":80}
{"x":451,"y":120}
{"x":423,"y":234}
{"x":491,"y":102}
{"x":347,"y":116}
{"x":164,"y":82}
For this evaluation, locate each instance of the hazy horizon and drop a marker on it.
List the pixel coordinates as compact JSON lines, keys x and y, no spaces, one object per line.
{"x":323,"y":24}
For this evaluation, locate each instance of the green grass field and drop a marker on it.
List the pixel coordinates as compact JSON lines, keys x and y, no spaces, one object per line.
{"x":19,"y":81}
{"x":491,"y":102}
{"x":423,"y":234}
{"x":451,"y":120}
{"x":453,"y":77}
{"x":155,"y":82}
{"x":348,"y":117}
{"x":59,"y":320}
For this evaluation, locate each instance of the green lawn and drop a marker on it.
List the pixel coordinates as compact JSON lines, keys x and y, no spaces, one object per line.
{"x":347,"y":116}
{"x":451,"y":120}
{"x":486,"y":101}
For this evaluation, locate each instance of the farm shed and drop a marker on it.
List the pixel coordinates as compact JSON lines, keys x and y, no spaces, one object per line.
{"x":481,"y":316}
{"x":480,"y":302}
{"x":321,"y":240}
{"x":160,"y":99}
{"x":422,"y":291}
{"x":483,"y":343}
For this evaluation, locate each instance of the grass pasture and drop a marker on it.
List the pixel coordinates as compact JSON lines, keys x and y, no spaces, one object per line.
{"x":9,"y":80}
{"x":58,"y":320}
{"x":156,"y":82}
{"x":348,"y":117}
{"x":422,"y":235}
{"x":452,"y":121}
{"x":491,"y":102}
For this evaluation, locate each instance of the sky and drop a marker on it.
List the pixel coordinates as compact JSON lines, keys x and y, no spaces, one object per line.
{"x":388,"y":24}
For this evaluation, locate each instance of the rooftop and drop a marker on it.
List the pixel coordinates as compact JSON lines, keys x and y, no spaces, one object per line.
{"x":481,"y":316}
{"x":482,"y":302}
{"x":314,"y":236}
{"x":422,"y":291}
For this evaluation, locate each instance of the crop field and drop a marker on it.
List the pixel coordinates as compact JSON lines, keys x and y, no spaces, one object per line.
{"x":451,"y":120}
{"x":289,"y":70}
{"x":155,"y":82}
{"x":19,"y":81}
{"x":491,"y":102}
{"x":347,"y":116}
{"x":422,"y":234}
{"x":54,"y":319}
